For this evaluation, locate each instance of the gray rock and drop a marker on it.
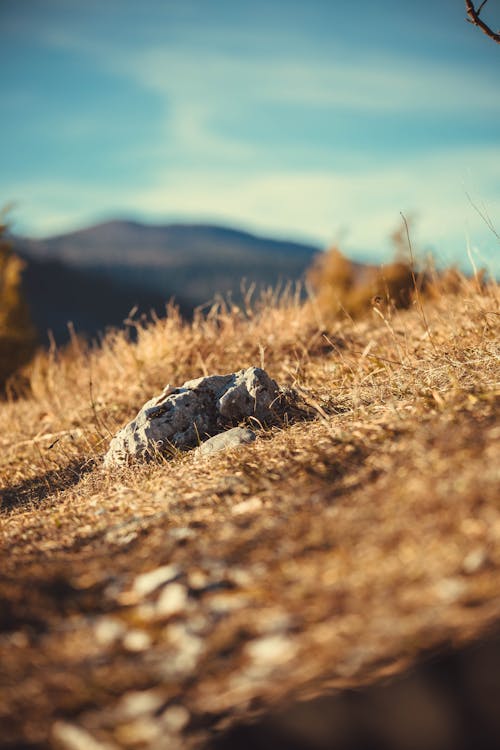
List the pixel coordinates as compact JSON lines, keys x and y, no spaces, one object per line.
{"x":225,"y":440}
{"x":182,"y":418}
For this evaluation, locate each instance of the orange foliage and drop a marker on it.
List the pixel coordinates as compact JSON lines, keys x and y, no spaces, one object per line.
{"x":341,"y":285}
{"x":17,"y":333}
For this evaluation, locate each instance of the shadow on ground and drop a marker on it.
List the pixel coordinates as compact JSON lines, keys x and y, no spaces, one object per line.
{"x":447,"y":703}
{"x":36,"y":490}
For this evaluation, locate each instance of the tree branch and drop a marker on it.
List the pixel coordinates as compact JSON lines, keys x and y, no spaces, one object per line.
{"x":474,"y":19}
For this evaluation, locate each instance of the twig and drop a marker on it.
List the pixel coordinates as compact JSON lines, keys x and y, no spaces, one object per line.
{"x":484,"y":216}
{"x":414,"y":279}
{"x":383,"y":359}
{"x":316,"y":406}
{"x":98,"y":423}
{"x":370,"y":356}
{"x":476,"y":21}
{"x":54,"y":436}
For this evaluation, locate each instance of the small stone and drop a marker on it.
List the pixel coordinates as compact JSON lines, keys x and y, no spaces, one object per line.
{"x":139,"y":732}
{"x":229,"y":602}
{"x":136,"y":641}
{"x":175,"y":718}
{"x":251,"y":505}
{"x":225,"y":440}
{"x":172,"y":600}
{"x":240,"y":577}
{"x":18,"y":639}
{"x":449,"y":590}
{"x":139,"y":702}
{"x":271,"y":650}
{"x":145,"y":612}
{"x":274,"y":621}
{"x":197,"y":579}
{"x":187,"y":650}
{"x":108,"y":630}
{"x":124,"y":540}
{"x":146,"y":583}
{"x":474,"y":561}
{"x":73,"y":737}
{"x":181,"y":533}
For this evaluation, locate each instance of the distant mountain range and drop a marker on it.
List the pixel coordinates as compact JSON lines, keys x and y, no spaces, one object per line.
{"x":93,"y":277}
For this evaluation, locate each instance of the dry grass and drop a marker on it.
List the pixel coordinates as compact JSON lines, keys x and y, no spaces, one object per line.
{"x":17,"y":333}
{"x":328,"y":553}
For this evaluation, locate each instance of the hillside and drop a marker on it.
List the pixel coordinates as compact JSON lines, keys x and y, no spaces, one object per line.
{"x":130,"y":243}
{"x":310,"y":571}
{"x":123,"y":264}
{"x":62,"y":297}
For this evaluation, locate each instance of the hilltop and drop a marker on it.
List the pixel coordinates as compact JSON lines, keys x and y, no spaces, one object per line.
{"x":335,"y":552}
{"x":131,"y":243}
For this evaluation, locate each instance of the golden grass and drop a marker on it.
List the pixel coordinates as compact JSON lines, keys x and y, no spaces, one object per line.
{"x":17,"y":333}
{"x":328,"y":553}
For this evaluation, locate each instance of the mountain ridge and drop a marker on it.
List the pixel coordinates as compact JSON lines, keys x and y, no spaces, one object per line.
{"x":95,"y":275}
{"x":170,"y":236}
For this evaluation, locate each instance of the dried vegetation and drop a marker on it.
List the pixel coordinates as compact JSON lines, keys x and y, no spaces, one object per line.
{"x":330,"y":553}
{"x":17,"y":333}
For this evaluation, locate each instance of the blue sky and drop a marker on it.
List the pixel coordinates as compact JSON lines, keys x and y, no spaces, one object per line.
{"x":318,"y":120}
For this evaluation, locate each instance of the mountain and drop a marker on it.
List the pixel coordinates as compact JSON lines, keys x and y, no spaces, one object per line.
{"x":59,"y":294}
{"x":94,"y":276}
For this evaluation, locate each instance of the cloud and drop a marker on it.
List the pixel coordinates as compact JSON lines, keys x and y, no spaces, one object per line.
{"x":183,"y":64}
{"x":321,"y":204}
{"x":387,"y":84}
{"x":199,"y":84}
{"x":208,"y":160}
{"x":316,"y":205}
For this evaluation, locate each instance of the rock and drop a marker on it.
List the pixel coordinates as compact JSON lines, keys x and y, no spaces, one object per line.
{"x":146,"y":583}
{"x":73,"y":737}
{"x":449,"y":590}
{"x":136,"y":641}
{"x":475,"y":560}
{"x":271,"y":650}
{"x":251,"y":505}
{"x":172,"y":600}
{"x":137,"y":703}
{"x":182,"y":418}
{"x":175,"y":718}
{"x":108,"y":630}
{"x":225,"y":440}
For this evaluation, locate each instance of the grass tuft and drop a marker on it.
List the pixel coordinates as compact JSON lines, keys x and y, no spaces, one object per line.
{"x":353,"y":542}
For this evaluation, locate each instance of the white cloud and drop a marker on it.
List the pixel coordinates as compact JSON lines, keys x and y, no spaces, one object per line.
{"x":197,"y":86}
{"x":241,"y":188}
{"x":312,"y":204}
{"x":385,"y":84}
{"x":193,"y":60}
{"x":321,"y":204}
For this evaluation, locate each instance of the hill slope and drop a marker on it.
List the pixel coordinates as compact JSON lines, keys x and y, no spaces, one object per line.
{"x":130,"y":243}
{"x":62,"y":297}
{"x":327,"y":555}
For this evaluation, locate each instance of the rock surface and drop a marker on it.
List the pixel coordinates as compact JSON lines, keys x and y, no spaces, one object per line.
{"x":184,"y":417}
{"x":228,"y":439}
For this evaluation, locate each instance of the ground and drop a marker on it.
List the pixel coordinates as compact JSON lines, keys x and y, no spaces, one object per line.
{"x":341,"y":548}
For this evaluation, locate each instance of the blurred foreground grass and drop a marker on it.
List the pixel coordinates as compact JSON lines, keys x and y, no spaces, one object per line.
{"x":327,"y":555}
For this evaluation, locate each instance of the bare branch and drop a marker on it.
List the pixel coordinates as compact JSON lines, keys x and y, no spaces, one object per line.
{"x":484,"y":216}
{"x":474,"y":18}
